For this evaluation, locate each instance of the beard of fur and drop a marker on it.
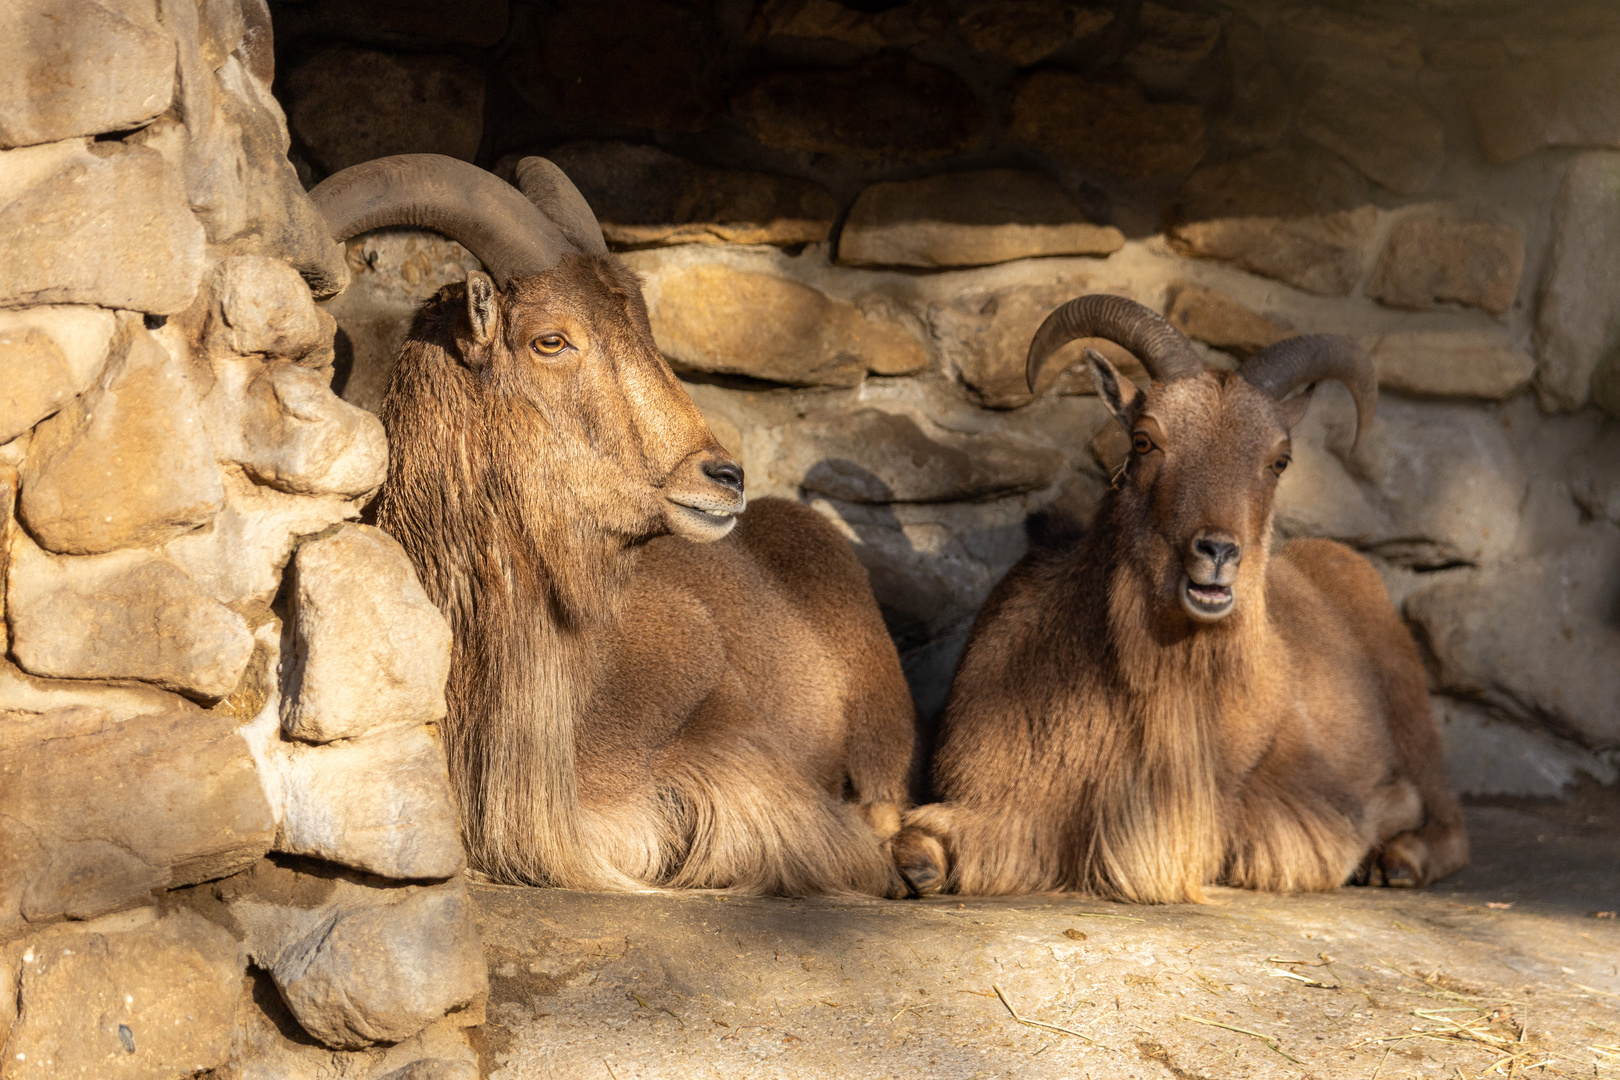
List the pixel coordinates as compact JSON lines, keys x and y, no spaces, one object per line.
{"x":1156,"y":833}
{"x":517,"y":586}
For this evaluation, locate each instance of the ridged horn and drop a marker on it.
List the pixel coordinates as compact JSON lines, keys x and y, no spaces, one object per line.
{"x":478,"y":210}
{"x":1277,"y":370}
{"x":1164,"y":351}
{"x":554,"y":195}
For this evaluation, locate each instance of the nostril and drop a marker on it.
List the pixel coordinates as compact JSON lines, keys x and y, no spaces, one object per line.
{"x":728,"y":473}
{"x":1219,"y":552}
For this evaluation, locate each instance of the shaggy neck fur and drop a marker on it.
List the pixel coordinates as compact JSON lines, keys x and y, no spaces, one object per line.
{"x":1156,"y":829}
{"x":489,"y":533}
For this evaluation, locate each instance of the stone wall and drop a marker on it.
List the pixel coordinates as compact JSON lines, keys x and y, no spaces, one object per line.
{"x":851,"y":217}
{"x":227,"y":841}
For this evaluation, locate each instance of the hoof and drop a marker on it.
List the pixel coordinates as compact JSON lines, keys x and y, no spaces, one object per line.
{"x":1404,"y":862}
{"x":921,"y":861}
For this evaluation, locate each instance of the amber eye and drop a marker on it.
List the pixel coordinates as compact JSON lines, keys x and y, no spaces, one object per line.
{"x":549,"y":344}
{"x":1140,"y":442}
{"x":1280,"y":464}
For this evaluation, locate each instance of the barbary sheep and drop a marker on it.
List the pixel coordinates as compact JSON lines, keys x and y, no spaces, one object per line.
{"x":644,"y":691}
{"x":1166,"y":701}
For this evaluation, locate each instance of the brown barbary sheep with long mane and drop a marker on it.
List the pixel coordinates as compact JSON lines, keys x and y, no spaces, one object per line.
{"x":644,"y":691}
{"x":1166,"y":702}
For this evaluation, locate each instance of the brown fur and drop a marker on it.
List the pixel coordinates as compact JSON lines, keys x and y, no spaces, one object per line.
{"x":629,"y":708}
{"x":1098,"y":738}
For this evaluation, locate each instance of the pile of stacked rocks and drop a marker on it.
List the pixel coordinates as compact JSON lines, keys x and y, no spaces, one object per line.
{"x":227,"y":839}
{"x":850,"y":218}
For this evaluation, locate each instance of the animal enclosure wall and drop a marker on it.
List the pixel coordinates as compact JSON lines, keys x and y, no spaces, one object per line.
{"x":221,"y":790}
{"x":850,"y":218}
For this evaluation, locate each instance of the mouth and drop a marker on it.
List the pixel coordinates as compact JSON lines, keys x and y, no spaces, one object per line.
{"x":1206,"y":603}
{"x":702,"y":520}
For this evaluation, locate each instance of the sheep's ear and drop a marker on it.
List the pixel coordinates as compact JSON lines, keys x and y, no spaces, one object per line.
{"x":482,"y":312}
{"x":1121,"y":396}
{"x":1292,"y":411}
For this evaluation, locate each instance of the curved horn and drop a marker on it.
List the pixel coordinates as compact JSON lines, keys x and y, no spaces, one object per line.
{"x":478,"y":210}
{"x":555,"y":196}
{"x":1164,"y":351}
{"x":1279,"y":369}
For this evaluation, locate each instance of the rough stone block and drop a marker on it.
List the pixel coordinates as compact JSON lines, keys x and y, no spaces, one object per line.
{"x":98,"y":223}
{"x":896,"y":27}
{"x":383,"y":972}
{"x":969,"y":219}
{"x":1025,"y":32}
{"x":435,"y":1069}
{"x":350,"y":105}
{"x":1173,"y":43}
{"x":77,"y":67}
{"x":871,"y":456}
{"x":127,"y":615}
{"x":299,"y":437}
{"x":888,"y":107}
{"x":1106,"y":127}
{"x":644,"y":196}
{"x":1216,"y":319}
{"x":712,"y":317}
{"x":1429,"y":258}
{"x":1595,"y":484}
{"x":127,"y":464}
{"x":1487,"y":755}
{"x":1450,"y":363}
{"x":239,"y":556}
{"x":1532,"y":640}
{"x":126,"y":997}
{"x":96,"y":814}
{"x":1567,"y":95}
{"x":1384,"y":130}
{"x":371,"y":650}
{"x":48,"y":355}
{"x":983,"y":336}
{"x":380,"y":803}
{"x":265,"y":308}
{"x":1303,"y":219}
{"x":1578,"y":320}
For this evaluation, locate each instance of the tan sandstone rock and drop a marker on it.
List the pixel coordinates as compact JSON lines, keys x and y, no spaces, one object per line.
{"x":1025,"y":32}
{"x":1105,"y":126}
{"x":643,"y":196}
{"x":95,"y":814}
{"x":130,"y":614}
{"x":719,"y":319}
{"x":380,"y":803}
{"x":1580,"y":293}
{"x":96,"y":223}
{"x":1384,"y":130}
{"x":888,"y":107}
{"x":1429,"y":258}
{"x":129,"y":463}
{"x":239,"y":556}
{"x":969,"y":219}
{"x":301,"y":438}
{"x":871,"y":456}
{"x":77,"y":67}
{"x":350,"y":105}
{"x":1533,"y":640}
{"x":896,"y":27}
{"x":127,"y":996}
{"x":1565,"y":95}
{"x":370,"y":649}
{"x":983,"y":336}
{"x":1174,"y":42}
{"x":265,"y":307}
{"x":1216,"y":319}
{"x":48,"y":355}
{"x":1259,"y":109}
{"x":381,"y":972}
{"x":1450,"y":363}
{"x":1305,"y":219}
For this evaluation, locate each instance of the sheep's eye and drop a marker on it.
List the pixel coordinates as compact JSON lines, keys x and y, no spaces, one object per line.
{"x":1280,"y":464}
{"x":549,"y":344}
{"x":1140,"y":442}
